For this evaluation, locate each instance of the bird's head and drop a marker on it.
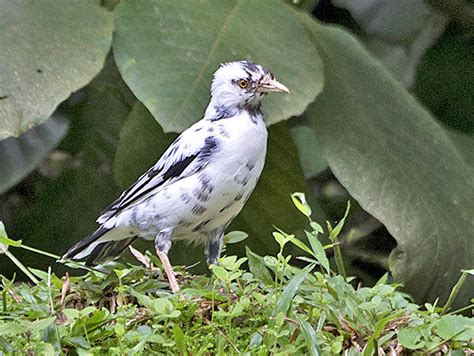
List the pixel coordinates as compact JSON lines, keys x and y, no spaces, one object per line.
{"x":243,"y":83}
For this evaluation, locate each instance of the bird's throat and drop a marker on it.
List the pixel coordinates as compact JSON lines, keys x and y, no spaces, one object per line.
{"x":217,"y":111}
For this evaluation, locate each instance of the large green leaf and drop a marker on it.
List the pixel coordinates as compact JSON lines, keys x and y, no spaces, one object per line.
{"x":309,"y":148}
{"x":167,"y":52}
{"x":398,"y":162}
{"x":19,"y":156}
{"x":59,"y":212}
{"x":142,"y":142}
{"x":464,"y":143}
{"x":47,"y":51}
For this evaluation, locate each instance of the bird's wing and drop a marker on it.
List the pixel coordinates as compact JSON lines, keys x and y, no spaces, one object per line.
{"x":184,"y":157}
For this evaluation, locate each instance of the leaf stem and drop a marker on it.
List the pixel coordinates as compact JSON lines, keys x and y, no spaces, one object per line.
{"x":39,"y":251}
{"x":4,"y":300}
{"x":454,"y":292}
{"x":338,"y":257}
{"x":50,"y":292}
{"x":458,"y":311}
{"x":21,"y":266}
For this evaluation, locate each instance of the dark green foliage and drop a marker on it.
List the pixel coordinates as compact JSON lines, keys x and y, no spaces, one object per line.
{"x":445,"y":80}
{"x":391,"y":155}
{"x":126,"y":309}
{"x":398,"y":163}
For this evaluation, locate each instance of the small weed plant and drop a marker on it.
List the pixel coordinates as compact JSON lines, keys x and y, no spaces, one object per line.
{"x":271,"y":307}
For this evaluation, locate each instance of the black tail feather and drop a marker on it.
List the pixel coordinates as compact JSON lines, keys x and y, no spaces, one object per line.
{"x":107,"y":251}
{"x":84,"y":243}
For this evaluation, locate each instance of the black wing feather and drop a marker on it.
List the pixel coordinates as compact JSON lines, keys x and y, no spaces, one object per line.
{"x":137,"y":191}
{"x":173,"y":172}
{"x":192,"y":149}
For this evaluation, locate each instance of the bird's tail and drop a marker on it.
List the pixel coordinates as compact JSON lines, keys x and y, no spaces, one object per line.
{"x":100,"y":246}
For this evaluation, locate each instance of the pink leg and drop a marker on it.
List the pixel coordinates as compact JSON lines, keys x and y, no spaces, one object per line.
{"x":169,"y":271}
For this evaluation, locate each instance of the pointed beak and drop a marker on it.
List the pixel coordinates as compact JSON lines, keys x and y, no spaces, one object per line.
{"x":271,"y":85}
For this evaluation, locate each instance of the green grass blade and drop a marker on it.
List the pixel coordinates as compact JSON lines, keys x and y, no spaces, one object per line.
{"x":179,"y":339}
{"x":310,"y":337}
{"x":284,"y":302}
{"x":455,"y":291}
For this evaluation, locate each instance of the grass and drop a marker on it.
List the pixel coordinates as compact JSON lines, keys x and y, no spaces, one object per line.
{"x":269,"y":307}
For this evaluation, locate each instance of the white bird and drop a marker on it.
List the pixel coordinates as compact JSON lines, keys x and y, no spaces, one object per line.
{"x":200,"y":183}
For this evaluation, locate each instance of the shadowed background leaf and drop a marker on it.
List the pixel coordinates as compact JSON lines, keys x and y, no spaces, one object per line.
{"x":47,"y":51}
{"x":398,"y":163}
{"x":309,"y":149}
{"x":445,"y":80}
{"x":464,"y":144}
{"x":56,"y":213}
{"x":20,"y":156}
{"x":168,"y":51}
{"x":142,"y":141}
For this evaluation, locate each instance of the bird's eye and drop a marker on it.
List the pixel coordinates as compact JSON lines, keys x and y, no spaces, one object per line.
{"x":243,"y":83}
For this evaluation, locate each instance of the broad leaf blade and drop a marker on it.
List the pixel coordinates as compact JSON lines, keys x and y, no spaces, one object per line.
{"x":233,"y":237}
{"x":20,"y":156}
{"x":168,"y":51}
{"x":397,"y":161}
{"x":455,"y":327}
{"x":258,"y":268}
{"x":64,"y":210}
{"x":309,"y":149}
{"x":134,"y":157}
{"x":47,"y":51}
{"x":318,"y":251}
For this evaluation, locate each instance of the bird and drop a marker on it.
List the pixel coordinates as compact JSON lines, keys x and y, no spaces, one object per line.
{"x":200,"y":183}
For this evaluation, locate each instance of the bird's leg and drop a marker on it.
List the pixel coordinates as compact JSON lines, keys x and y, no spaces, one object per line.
{"x":162,"y":246}
{"x":169,"y":271}
{"x":213,"y":247}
